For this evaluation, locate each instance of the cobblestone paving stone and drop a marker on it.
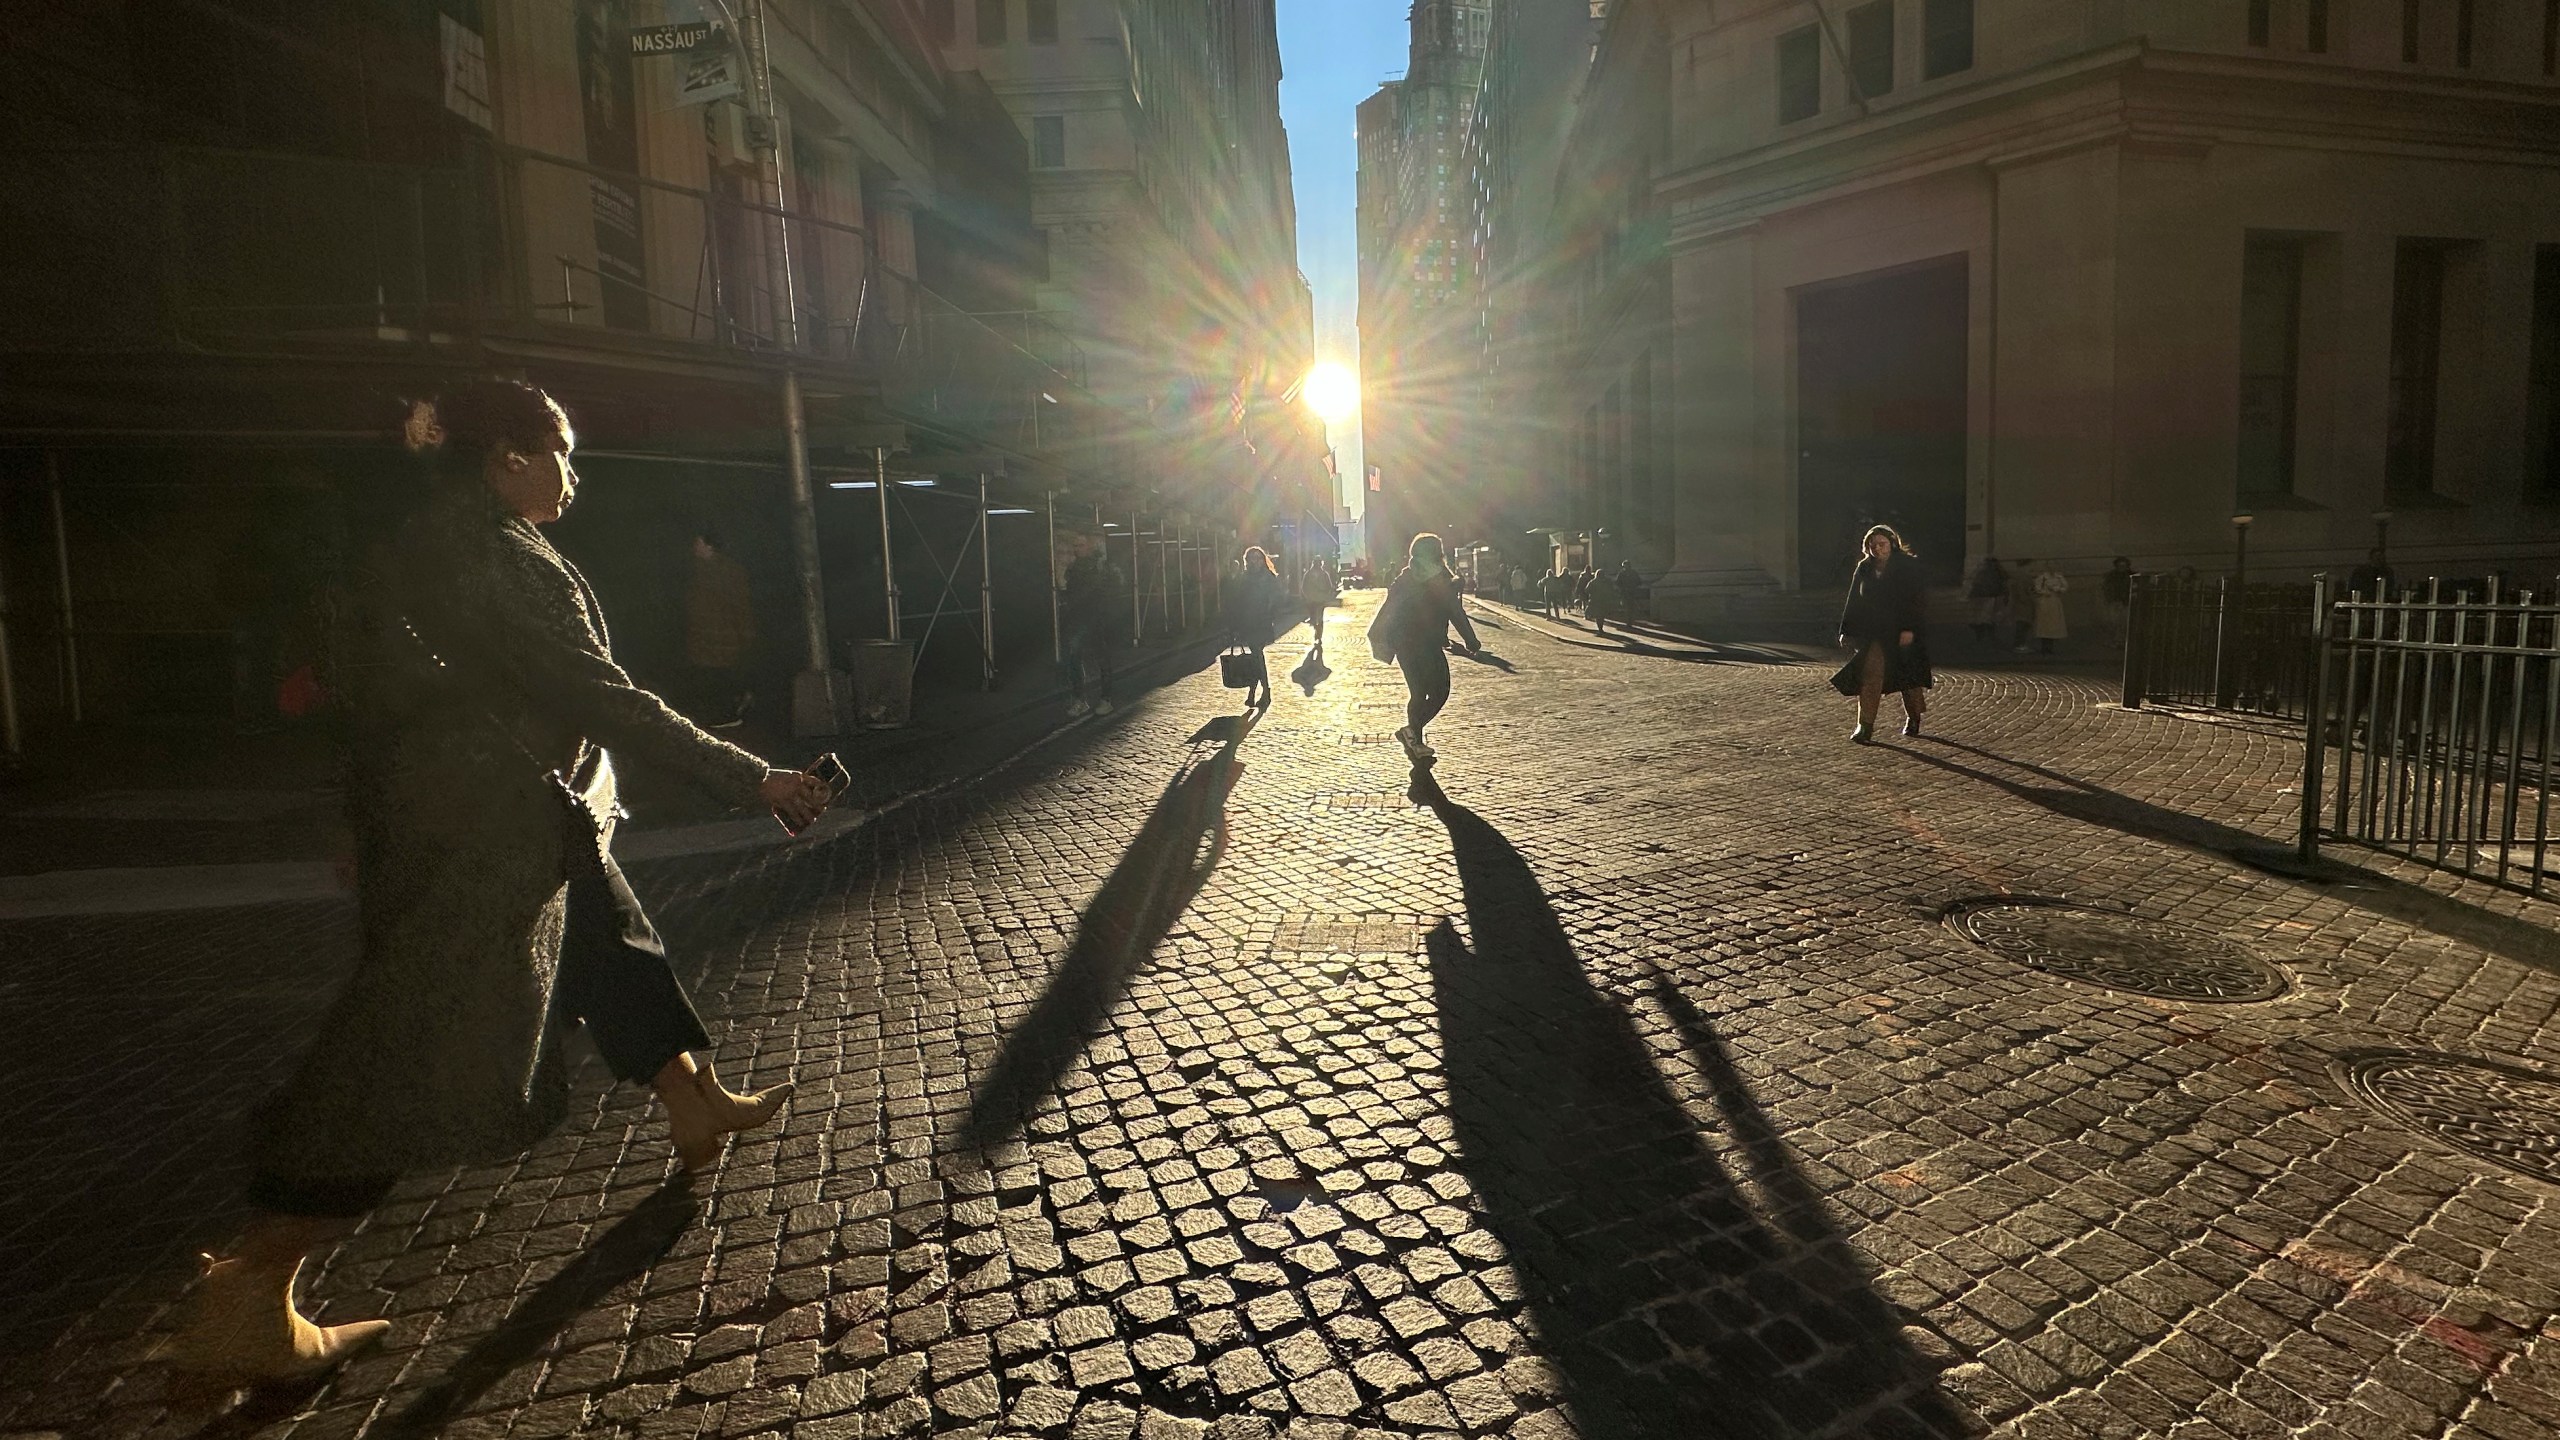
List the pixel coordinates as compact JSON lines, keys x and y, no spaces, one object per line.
{"x":1626,"y":1083}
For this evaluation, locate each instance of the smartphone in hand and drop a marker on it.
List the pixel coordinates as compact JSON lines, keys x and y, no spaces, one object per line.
{"x":831,"y":773}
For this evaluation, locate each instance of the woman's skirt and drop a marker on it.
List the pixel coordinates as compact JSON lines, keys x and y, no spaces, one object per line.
{"x":1906,"y":667}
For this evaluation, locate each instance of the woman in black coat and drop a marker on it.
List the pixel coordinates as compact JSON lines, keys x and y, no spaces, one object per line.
{"x":1884,"y":617}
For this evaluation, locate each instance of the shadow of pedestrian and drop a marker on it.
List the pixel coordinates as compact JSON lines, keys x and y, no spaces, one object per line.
{"x":2519,"y":940}
{"x":1165,"y":865}
{"x":1666,"y":1303}
{"x":625,"y":1252}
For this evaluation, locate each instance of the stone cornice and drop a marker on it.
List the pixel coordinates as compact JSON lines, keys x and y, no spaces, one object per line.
{"x":2172,"y":105}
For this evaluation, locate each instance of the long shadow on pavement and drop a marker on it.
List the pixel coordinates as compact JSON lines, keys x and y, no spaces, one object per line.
{"x":1164,"y":867}
{"x":2419,"y":908}
{"x":1667,"y":1304}
{"x":625,"y":1252}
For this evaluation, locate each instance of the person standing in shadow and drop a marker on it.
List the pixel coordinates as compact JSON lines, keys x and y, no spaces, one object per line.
{"x":1884,"y":617}
{"x":1411,"y":632}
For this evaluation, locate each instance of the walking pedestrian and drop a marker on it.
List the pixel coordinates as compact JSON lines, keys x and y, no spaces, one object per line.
{"x":2022,"y":603}
{"x":1411,"y":631}
{"x":494,"y":918}
{"x":2115,"y":592}
{"x":1316,"y":591}
{"x":1990,"y":596}
{"x":1519,"y":587}
{"x":1885,"y":618}
{"x":1254,"y":608}
{"x":719,"y":630}
{"x":1633,"y":593}
{"x":1090,"y":603}
{"x":2051,"y":624}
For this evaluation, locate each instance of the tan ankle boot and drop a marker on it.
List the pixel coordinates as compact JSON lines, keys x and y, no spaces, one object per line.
{"x":701,"y":1116}
{"x":242,"y":1330}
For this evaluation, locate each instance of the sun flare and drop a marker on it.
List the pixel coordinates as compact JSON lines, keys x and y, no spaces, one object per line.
{"x":1332,"y":391}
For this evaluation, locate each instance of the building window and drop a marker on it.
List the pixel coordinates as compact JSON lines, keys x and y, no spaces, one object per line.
{"x":2417,"y":347}
{"x":2317,"y":38}
{"x":1040,"y":21}
{"x":2462,"y":29}
{"x":2542,"y":385}
{"x":1871,"y":48}
{"x":2270,"y":361}
{"x":2409,"y":17}
{"x":991,"y":22}
{"x":1048,"y":142}
{"x":2261,"y":21}
{"x":2551,"y":37}
{"x":1946,"y":38}
{"x":1799,"y":74}
{"x":944,"y":17}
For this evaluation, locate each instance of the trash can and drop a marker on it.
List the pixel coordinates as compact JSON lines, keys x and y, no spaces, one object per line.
{"x":883,"y":674}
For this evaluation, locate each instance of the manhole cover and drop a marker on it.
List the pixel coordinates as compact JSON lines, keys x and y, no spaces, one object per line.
{"x":2504,"y":1114}
{"x":2117,"y":951}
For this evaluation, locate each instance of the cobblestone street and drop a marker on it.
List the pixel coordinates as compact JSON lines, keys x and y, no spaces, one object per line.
{"x":1660,"y":1066}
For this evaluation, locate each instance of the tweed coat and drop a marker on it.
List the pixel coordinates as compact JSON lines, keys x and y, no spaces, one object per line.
{"x":445,"y":1048}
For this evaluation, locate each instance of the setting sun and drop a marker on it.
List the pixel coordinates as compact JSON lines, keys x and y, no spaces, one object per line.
{"x":1332,"y":391}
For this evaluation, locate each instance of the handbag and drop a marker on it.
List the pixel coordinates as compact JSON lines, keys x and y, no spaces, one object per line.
{"x":589,"y":803}
{"x":1241,"y":669}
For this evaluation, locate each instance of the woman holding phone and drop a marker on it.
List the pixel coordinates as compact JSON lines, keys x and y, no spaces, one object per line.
{"x":493,"y":918}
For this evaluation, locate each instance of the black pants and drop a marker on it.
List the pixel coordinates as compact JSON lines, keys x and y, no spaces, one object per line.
{"x":1426,"y":684}
{"x":614,"y":978}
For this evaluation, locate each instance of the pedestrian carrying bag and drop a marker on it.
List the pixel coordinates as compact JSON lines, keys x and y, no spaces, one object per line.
{"x":1241,"y":669}
{"x":1384,"y":625}
{"x":589,"y":802}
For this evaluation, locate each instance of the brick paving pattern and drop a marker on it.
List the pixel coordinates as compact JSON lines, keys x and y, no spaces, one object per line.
{"x":1630,"y":1081}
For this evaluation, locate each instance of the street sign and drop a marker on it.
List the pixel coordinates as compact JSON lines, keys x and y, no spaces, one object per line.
{"x":710,"y":73}
{"x":669,"y":39}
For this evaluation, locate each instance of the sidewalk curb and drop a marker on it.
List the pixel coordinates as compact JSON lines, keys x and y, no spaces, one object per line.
{"x":162,"y":889}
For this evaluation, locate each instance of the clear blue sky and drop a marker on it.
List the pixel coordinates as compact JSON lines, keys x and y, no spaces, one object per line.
{"x":1333,"y":53}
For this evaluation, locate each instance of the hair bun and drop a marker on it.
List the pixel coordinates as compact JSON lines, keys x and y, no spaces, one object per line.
{"x":422,"y":429}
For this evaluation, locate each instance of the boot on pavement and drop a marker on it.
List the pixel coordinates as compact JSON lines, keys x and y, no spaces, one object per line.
{"x":241,"y":1330}
{"x":702,"y":1113}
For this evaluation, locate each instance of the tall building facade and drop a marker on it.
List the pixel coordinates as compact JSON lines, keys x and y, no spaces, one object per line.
{"x":1161,"y":190}
{"x":1418,"y":309}
{"x":2050,"y":280}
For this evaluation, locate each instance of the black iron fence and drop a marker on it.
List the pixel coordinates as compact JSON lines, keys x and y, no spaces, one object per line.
{"x":2214,"y":643}
{"x":2441,"y":713}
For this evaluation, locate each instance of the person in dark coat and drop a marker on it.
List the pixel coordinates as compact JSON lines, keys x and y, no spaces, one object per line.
{"x":1093,"y":604}
{"x":1254,"y":611}
{"x":1885,"y":617}
{"x":1412,"y":632}
{"x":493,"y":920}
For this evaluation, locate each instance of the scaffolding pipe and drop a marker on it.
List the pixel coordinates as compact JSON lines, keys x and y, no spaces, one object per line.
{"x":12,"y":746}
{"x":1057,"y":640}
{"x":1137,"y":584}
{"x":888,"y":571}
{"x":1182,"y":574}
{"x":986,"y":591}
{"x":62,"y":576}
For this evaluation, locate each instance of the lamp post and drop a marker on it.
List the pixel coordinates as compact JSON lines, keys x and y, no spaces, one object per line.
{"x":2240,"y":557}
{"x":2382,"y":534}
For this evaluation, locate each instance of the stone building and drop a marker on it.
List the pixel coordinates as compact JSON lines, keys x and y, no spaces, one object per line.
{"x":1161,"y":190}
{"x":2061,"y":280}
{"x":1419,"y":313}
{"x":237,"y":240}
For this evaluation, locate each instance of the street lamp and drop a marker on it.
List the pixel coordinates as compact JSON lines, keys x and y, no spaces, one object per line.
{"x":2240,"y":540}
